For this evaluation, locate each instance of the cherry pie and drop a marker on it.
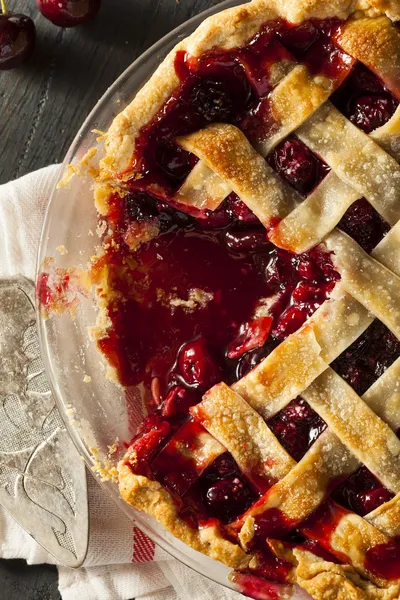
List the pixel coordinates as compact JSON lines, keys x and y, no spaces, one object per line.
{"x":249,"y":283}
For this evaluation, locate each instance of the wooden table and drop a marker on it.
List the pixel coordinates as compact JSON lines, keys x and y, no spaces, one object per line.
{"x":43,"y":103}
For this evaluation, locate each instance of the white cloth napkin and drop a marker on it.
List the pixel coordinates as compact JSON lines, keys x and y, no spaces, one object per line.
{"x":121,"y":563}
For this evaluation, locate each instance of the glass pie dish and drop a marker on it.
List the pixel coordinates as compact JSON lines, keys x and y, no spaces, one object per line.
{"x":94,"y":408}
{"x":247,"y":222}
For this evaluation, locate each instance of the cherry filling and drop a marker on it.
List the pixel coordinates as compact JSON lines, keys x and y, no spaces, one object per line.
{"x":202,"y":303}
{"x":364,"y":224}
{"x":383,"y":560}
{"x":208,"y":296}
{"x":298,"y":165}
{"x":364,"y":100}
{"x":368,"y":357}
{"x":224,"y":491}
{"x":297,"y":427}
{"x":362,"y":492}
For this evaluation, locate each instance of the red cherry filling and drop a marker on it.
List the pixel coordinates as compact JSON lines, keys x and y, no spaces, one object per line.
{"x":238,"y":209}
{"x":296,"y":163}
{"x":370,"y":112}
{"x":253,"y":334}
{"x":364,"y":100}
{"x":364,"y":224}
{"x":178,"y":401}
{"x":297,"y":427}
{"x":362,"y":492}
{"x":368,"y":357}
{"x":211,"y":101}
{"x":383,"y":560}
{"x":196,"y":367}
{"x":225,"y":493}
{"x":152,"y":434}
{"x":240,"y":241}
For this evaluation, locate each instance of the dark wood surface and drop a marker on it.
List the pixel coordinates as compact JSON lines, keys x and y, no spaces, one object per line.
{"x":42,"y":105}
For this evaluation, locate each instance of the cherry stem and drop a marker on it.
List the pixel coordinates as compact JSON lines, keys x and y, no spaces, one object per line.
{"x":3,"y":7}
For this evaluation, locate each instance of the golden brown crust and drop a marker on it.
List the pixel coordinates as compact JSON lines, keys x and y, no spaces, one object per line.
{"x":151,"y":498}
{"x":327,"y":581}
{"x":228,"y":153}
{"x":227,"y":29}
{"x":361,"y":165}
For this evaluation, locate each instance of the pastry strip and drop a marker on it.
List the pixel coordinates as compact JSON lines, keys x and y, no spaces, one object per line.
{"x":376,"y":43}
{"x":227,"y":152}
{"x":304,"y":355}
{"x":371,"y":283}
{"x":355,"y":158}
{"x":245,"y":434}
{"x":322,"y":210}
{"x":365,"y":435}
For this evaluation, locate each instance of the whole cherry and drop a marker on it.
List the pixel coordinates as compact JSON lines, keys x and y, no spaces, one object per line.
{"x":197,"y":368}
{"x":17,"y":38}
{"x":69,"y":13}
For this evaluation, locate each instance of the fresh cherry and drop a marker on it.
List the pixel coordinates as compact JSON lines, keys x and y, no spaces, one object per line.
{"x":17,"y":38}
{"x":69,"y":13}
{"x":196,"y":367}
{"x":370,"y":112}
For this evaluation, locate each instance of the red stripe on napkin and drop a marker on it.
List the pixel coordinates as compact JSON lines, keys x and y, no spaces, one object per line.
{"x":143,"y":547}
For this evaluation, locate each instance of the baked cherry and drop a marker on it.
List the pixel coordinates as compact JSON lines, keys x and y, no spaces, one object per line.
{"x":225,"y":493}
{"x":299,"y":39}
{"x":178,"y":401}
{"x":279,"y":269}
{"x":364,"y":224}
{"x":196,"y":366}
{"x":69,"y":13}
{"x":174,"y":160}
{"x":241,"y":211}
{"x":252,"y":358}
{"x":371,"y":112}
{"x":241,"y":241}
{"x":371,"y":499}
{"x":308,"y":294}
{"x":384,"y":559}
{"x":294,"y":161}
{"x":211,"y":101}
{"x":252,"y":334}
{"x":227,"y":499}
{"x":17,"y":38}
{"x":308,"y":269}
{"x":152,"y":434}
{"x":297,"y":427}
{"x":290,"y":321}
{"x":368,"y":357}
{"x":362,"y":492}
{"x":139,"y":206}
{"x":215,"y":219}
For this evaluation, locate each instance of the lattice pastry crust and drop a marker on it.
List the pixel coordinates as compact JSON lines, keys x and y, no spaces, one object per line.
{"x":359,"y":429}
